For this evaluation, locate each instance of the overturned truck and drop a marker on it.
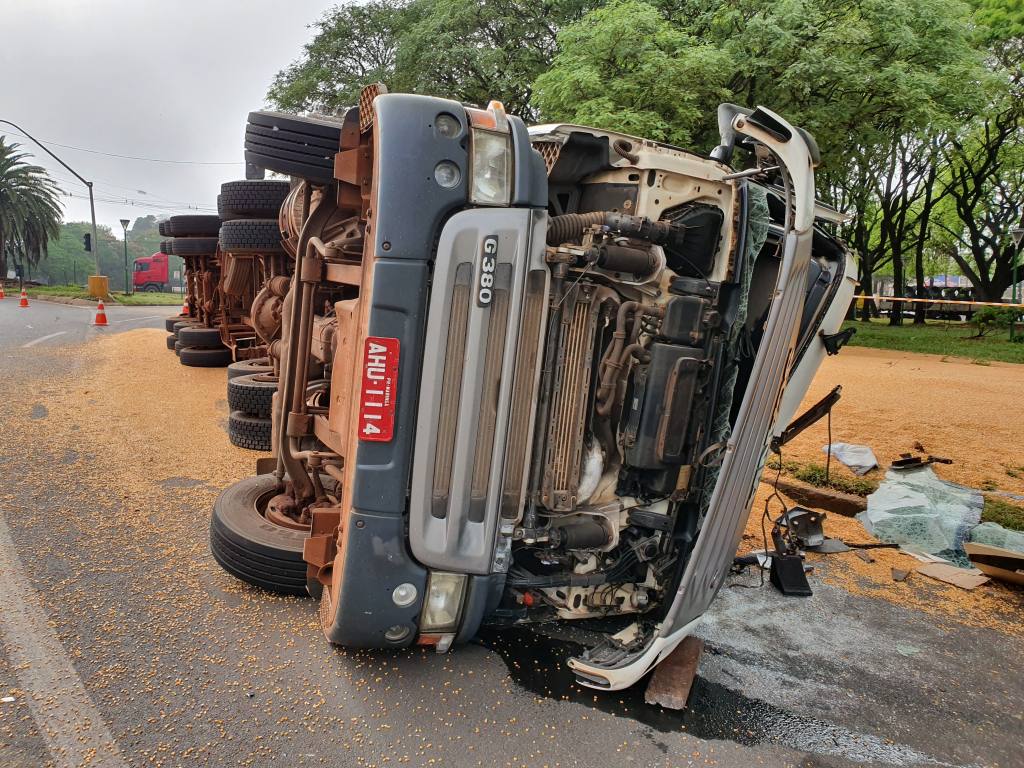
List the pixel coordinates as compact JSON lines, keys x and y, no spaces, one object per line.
{"x":532,"y":374}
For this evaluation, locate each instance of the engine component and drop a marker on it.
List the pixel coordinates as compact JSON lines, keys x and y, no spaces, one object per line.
{"x":684,"y":320}
{"x":694,"y":255}
{"x":584,"y":534}
{"x":664,"y":386}
{"x":572,"y":383}
{"x":623,"y":258}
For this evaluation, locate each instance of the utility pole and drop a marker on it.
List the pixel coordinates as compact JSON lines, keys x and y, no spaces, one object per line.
{"x":127,"y":284}
{"x":92,"y":204}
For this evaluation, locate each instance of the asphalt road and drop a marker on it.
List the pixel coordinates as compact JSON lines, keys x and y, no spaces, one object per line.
{"x":123,"y":644}
{"x":50,"y":323}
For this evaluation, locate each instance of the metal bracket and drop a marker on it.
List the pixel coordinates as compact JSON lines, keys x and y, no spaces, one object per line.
{"x":835,"y":341}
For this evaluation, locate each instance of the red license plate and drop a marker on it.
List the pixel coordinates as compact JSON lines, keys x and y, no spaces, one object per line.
{"x":380,"y":388}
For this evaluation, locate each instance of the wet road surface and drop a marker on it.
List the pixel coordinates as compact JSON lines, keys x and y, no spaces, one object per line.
{"x":125,"y":644}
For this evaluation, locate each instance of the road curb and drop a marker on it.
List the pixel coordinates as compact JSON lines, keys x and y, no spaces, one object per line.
{"x":837,"y":502}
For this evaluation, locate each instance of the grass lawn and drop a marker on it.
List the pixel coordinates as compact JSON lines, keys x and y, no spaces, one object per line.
{"x":938,"y":338}
{"x":78,"y":292}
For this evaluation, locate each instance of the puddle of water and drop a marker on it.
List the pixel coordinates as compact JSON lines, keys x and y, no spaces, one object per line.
{"x":536,"y":662}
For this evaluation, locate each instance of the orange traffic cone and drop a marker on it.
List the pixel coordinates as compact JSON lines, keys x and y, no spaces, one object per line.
{"x":2,"y":296}
{"x":24,"y":299}
{"x":184,"y":309}
{"x":101,"y":314}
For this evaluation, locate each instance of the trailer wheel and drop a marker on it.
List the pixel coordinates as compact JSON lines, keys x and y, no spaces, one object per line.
{"x":171,"y":322}
{"x":200,"y":337}
{"x":192,"y":246}
{"x":251,"y":199}
{"x":193,"y":226}
{"x":196,"y":357}
{"x":251,"y":236}
{"x":252,"y":432}
{"x":247,"y":367}
{"x":252,"y":395}
{"x":252,"y":548}
{"x":171,"y":340}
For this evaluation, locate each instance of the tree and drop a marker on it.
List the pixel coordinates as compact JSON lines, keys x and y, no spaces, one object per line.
{"x":30,"y":211}
{"x":468,"y":50}
{"x":355,"y":44}
{"x":625,"y":67}
{"x":873,"y":80}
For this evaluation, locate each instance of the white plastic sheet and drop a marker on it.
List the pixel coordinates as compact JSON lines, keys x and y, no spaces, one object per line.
{"x":917,"y":509}
{"x":858,"y":458}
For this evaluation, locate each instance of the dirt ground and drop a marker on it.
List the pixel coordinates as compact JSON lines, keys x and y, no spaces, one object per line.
{"x":968,"y":412}
{"x":954,"y":408}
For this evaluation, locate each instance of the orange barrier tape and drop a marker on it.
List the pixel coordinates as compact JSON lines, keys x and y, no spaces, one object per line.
{"x":901,"y":299}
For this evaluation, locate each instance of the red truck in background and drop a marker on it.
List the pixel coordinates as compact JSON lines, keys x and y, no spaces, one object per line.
{"x":151,"y":273}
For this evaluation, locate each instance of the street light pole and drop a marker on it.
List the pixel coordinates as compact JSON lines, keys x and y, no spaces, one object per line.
{"x":92,"y":204}
{"x":124,"y":226}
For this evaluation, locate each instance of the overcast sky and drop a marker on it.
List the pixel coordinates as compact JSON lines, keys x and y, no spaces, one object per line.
{"x":164,"y":79}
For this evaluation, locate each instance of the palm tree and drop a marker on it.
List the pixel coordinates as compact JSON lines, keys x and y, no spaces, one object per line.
{"x":30,"y":209}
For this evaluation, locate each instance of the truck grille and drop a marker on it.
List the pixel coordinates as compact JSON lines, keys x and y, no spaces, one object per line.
{"x":454,"y":359}
{"x":478,"y":387}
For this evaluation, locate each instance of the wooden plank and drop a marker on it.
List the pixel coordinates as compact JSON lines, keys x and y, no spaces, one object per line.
{"x":673,"y":678}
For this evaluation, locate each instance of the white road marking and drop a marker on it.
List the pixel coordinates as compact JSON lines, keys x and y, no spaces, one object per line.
{"x":41,"y":339}
{"x":135,"y":319}
{"x":68,"y":720}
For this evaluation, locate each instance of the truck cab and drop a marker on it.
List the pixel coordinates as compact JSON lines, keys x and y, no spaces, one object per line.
{"x":533,"y":375}
{"x":151,"y":273}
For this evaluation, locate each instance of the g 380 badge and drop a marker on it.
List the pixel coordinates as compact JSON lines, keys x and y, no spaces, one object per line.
{"x":485,"y":275}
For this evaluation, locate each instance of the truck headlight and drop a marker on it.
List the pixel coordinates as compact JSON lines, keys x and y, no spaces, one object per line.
{"x":490,"y":180}
{"x":443,"y":602}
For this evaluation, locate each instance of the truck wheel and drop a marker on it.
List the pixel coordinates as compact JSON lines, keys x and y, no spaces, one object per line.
{"x":177,"y":348}
{"x":171,"y":340}
{"x":251,"y":236}
{"x":166,"y":246}
{"x":247,"y":367}
{"x":193,"y":226}
{"x":151,"y":288}
{"x":204,"y":358}
{"x":252,"y":548}
{"x":171,"y":322}
{"x":296,"y":146}
{"x":252,"y":395}
{"x":161,"y":227}
{"x":252,"y":432}
{"x":251,"y":199}
{"x":200,"y":337}
{"x":192,"y":246}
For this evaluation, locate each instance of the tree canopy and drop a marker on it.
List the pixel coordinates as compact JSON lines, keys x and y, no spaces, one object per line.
{"x":916,"y":104}
{"x":30,"y":209}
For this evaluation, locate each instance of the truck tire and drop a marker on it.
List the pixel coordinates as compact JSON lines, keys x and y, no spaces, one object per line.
{"x":252,"y":395}
{"x":252,"y":548}
{"x":183,"y":324}
{"x":177,"y":348}
{"x":204,"y":358}
{"x":192,"y":246}
{"x":251,"y":199}
{"x":161,"y":227}
{"x":200,"y":337}
{"x":192,"y":225}
{"x":296,"y":146}
{"x":251,"y":236}
{"x":166,"y":246}
{"x":171,"y":340}
{"x":171,"y":322}
{"x":247,"y":367}
{"x":252,"y":432}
